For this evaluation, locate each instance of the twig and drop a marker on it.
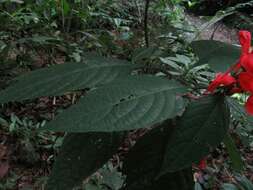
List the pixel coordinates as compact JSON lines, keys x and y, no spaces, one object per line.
{"x":215,"y":29}
{"x":139,"y":11}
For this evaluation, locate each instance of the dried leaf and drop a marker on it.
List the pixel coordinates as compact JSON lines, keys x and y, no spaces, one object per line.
{"x":4,"y":168}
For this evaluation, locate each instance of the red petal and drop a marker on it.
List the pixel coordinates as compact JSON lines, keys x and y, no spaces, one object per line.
{"x":221,"y":79}
{"x":246,"y":81}
{"x":245,"y":40}
{"x":228,"y":80}
{"x":214,"y":84}
{"x":249,"y":105}
{"x":246,"y":60}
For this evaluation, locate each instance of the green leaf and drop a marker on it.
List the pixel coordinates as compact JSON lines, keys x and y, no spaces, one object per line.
{"x":144,"y":53}
{"x":203,"y":125}
{"x":143,"y":162}
{"x":244,"y":183}
{"x":65,"y":7}
{"x":239,"y":113}
{"x":130,"y":103}
{"x":234,"y":155}
{"x":218,"y":55}
{"x":229,"y":186}
{"x":81,"y":155}
{"x":112,"y":178}
{"x":91,"y":187}
{"x":59,"y":79}
{"x":172,"y":64}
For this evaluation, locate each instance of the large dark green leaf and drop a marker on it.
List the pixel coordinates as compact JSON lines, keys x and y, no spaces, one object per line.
{"x":130,"y":103}
{"x":203,"y":125}
{"x":81,"y":155}
{"x":218,"y":55}
{"x":144,"y":160}
{"x":59,"y":79}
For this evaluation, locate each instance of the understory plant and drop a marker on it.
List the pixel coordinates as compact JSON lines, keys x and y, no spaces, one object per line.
{"x":182,"y":125}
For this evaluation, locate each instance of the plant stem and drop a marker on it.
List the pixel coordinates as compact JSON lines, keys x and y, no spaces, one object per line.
{"x":63,"y":17}
{"x":146,"y":23}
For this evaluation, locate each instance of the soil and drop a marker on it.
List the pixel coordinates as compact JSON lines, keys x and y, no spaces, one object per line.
{"x":218,"y":31}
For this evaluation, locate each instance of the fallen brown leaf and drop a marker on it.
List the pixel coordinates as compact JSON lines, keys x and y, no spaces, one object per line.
{"x":4,"y":168}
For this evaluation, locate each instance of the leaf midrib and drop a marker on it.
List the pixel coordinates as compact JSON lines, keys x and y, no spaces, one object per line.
{"x":139,"y":96}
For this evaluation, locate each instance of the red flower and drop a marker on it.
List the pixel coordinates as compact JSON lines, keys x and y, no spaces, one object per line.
{"x":246,"y":81}
{"x":249,"y":105}
{"x":221,"y":79}
{"x":242,"y":72}
{"x":202,"y":164}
